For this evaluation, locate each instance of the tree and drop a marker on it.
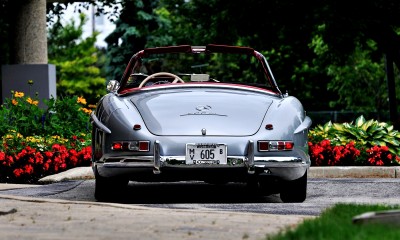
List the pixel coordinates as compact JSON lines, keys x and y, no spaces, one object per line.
{"x":76,"y":60}
{"x":348,"y":30}
{"x":268,"y":26}
{"x":134,"y":28}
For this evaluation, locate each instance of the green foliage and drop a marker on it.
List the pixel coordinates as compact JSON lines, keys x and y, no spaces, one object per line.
{"x":76,"y":60}
{"x":136,"y":25}
{"x":38,"y":141}
{"x":63,"y":117}
{"x":359,"y":77}
{"x":336,"y":223}
{"x":365,"y":133}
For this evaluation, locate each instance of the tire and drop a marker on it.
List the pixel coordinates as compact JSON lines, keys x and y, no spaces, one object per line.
{"x":108,"y":189}
{"x":294,"y":191}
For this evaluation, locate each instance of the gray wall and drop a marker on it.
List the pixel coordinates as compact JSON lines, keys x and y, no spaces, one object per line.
{"x":16,"y":77}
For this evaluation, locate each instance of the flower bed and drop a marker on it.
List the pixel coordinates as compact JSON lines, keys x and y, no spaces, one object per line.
{"x":38,"y":157}
{"x":363,"y":143}
{"x":37,"y":142}
{"x":326,"y":154}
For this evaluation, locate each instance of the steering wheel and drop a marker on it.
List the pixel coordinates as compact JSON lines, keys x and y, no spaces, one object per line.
{"x":176,"y":78}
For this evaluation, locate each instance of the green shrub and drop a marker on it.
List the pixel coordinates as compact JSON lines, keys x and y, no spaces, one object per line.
{"x":360,"y":143}
{"x":40,"y":141}
{"x":64,"y":117}
{"x":367,"y":133}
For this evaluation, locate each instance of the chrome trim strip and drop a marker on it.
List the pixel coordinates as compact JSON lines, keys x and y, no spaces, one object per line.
{"x":99,"y":124}
{"x":250,"y":157}
{"x":260,"y":160}
{"x":304,"y":125}
{"x":196,"y":85}
{"x":157,"y":158}
{"x":164,"y":159}
{"x":124,"y":159}
{"x":156,"y":161}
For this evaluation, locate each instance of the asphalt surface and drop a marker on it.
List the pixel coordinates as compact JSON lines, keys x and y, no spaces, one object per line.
{"x":23,"y":217}
{"x":315,"y":172}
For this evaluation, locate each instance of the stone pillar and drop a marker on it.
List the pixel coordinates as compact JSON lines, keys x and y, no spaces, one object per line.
{"x":28,"y":55}
{"x":30,"y":33}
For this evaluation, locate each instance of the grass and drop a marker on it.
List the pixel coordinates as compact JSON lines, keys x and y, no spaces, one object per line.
{"x":336,"y":223}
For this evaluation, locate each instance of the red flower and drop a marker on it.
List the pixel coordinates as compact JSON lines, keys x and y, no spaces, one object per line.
{"x":46,"y":166}
{"x":18,"y":172}
{"x":39,"y":158}
{"x":10,"y":160}
{"x":56,"y":147}
{"x":48,"y":154}
{"x":28,"y":169}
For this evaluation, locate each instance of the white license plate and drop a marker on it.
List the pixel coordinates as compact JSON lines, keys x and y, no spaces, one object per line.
{"x":205,"y":153}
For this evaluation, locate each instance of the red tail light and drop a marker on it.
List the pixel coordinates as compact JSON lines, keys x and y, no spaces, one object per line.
{"x":144,"y":146}
{"x":269,"y":146}
{"x":116,"y":146}
{"x":135,"y":146}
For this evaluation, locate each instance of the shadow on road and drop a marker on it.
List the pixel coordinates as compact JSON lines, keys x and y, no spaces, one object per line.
{"x":191,"y":192}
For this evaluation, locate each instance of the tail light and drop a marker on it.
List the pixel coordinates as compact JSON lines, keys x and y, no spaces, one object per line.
{"x":270,"y":146}
{"x":135,"y":146}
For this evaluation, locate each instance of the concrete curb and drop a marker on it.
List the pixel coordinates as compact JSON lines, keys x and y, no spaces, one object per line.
{"x":83,"y":173}
{"x":78,"y":173}
{"x":354,"y":172}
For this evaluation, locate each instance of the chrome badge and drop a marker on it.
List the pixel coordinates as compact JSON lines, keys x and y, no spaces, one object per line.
{"x":203,"y":108}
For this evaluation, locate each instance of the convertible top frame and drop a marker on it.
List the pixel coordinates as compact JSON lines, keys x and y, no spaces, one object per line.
{"x":210,"y":48}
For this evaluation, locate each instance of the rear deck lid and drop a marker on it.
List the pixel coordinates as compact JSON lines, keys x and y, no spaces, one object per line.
{"x":193,"y":112}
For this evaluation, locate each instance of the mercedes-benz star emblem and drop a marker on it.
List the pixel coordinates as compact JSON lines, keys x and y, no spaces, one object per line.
{"x":202,"y":108}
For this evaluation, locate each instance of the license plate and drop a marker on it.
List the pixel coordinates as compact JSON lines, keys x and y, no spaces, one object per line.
{"x":205,"y":153}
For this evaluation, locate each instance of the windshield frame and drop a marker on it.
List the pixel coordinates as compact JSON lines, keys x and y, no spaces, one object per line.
{"x":210,"y":48}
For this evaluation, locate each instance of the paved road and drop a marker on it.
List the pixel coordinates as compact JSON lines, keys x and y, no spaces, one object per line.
{"x":322,"y":193}
{"x":67,"y":210}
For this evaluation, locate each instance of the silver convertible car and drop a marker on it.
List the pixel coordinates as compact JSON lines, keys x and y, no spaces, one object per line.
{"x":205,"y":113}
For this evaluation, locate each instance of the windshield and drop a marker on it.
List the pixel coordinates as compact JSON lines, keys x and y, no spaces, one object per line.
{"x":198,"y":66}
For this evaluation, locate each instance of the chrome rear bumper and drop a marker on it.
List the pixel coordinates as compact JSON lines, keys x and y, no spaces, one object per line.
{"x":287,"y":168}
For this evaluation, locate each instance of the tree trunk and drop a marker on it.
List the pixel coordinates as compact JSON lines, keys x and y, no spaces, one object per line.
{"x":391,"y":90}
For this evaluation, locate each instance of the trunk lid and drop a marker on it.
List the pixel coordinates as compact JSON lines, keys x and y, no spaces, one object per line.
{"x":188,"y":112}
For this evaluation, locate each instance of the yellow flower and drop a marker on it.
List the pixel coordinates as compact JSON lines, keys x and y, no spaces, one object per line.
{"x":81,"y":100}
{"x":29,"y":100}
{"x":8,"y":136}
{"x":92,"y":106}
{"x":19,"y":94}
{"x":14,"y":102}
{"x":85,"y":110}
{"x":31,"y":139}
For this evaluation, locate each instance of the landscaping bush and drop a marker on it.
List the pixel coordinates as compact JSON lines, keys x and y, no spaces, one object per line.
{"x":38,"y":141}
{"x":362,"y":143}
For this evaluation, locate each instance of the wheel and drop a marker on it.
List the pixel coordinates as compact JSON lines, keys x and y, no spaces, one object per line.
{"x":108,"y":188}
{"x":176,"y":78}
{"x":295,"y":191}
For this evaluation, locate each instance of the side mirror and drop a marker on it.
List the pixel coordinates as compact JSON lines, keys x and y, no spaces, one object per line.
{"x":113,"y":86}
